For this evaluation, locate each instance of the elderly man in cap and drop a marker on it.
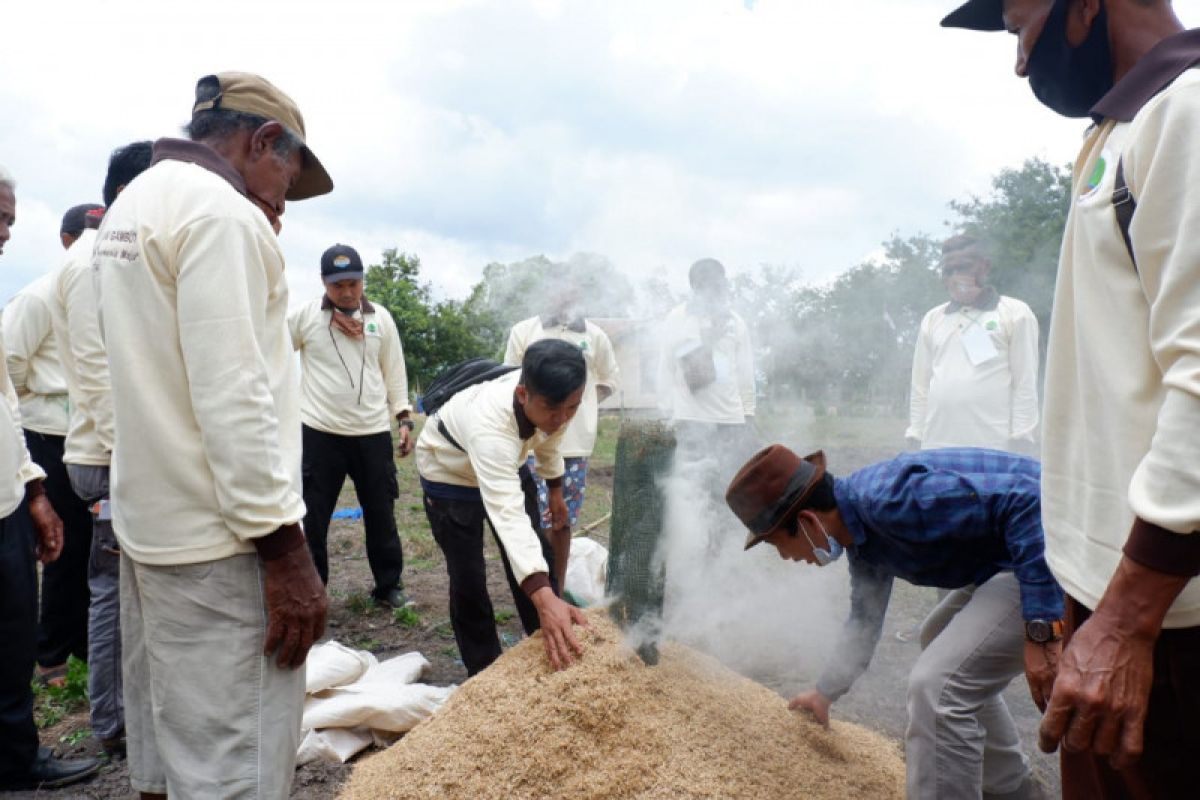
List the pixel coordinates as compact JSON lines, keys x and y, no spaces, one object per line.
{"x":353,"y":383}
{"x":220,"y":601}
{"x":1122,"y":431}
{"x":23,"y":764}
{"x":961,"y":519}
{"x":36,"y":369}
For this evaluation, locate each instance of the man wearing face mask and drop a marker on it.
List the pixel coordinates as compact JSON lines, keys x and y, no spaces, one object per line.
{"x":1122,"y":432}
{"x":960,"y":519}
{"x":975,"y":368}
{"x":352,"y":384}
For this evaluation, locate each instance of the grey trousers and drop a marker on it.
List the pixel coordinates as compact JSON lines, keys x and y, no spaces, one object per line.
{"x":961,"y":739}
{"x":209,"y":715}
{"x":104,"y":612}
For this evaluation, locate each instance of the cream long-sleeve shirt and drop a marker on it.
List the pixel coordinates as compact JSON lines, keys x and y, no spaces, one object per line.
{"x":16,"y":467}
{"x":76,"y":320}
{"x":481,"y":418}
{"x":579,"y":439}
{"x":730,"y":398}
{"x":1122,"y":411}
{"x":956,"y":402}
{"x":349,"y":387}
{"x":194,"y":311}
{"x":33,"y":360}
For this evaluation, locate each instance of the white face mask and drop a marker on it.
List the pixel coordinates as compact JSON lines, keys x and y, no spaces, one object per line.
{"x":824,"y":556}
{"x":964,"y":289}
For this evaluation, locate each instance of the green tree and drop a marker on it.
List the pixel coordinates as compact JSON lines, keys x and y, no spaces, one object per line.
{"x":435,"y":333}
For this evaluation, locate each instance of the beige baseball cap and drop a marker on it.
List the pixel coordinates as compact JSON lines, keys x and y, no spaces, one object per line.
{"x":254,"y":94}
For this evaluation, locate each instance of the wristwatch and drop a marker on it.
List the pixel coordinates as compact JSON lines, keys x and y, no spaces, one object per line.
{"x":1041,"y":631}
{"x":407,"y":423}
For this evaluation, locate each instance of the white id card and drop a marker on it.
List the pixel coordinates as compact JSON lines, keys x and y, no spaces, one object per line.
{"x":980,"y":347}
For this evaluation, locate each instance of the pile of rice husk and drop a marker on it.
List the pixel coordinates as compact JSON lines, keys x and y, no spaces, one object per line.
{"x":610,"y":727}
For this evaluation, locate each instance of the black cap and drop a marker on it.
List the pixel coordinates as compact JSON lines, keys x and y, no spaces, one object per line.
{"x":341,"y":263}
{"x":82,"y":216}
{"x":977,"y":15}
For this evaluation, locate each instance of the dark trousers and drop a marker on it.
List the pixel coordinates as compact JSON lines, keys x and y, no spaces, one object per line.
{"x":1167,"y":768}
{"x":18,"y":634}
{"x":63,"y":623}
{"x":328,"y":459}
{"x":458,"y":529}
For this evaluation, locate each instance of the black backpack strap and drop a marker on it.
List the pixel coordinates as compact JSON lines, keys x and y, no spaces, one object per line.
{"x":441,"y":426}
{"x":1124,"y":205}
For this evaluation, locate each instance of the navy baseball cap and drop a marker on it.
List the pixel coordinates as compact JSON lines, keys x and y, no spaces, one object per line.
{"x":341,"y":263}
{"x":977,"y":15}
{"x":79,"y":217}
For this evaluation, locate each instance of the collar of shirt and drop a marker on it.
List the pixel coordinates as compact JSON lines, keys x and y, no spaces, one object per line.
{"x":1154,"y":72}
{"x":202,"y":156}
{"x":578,"y":324}
{"x":525,"y":428}
{"x":988,"y":300}
{"x":327,"y":305}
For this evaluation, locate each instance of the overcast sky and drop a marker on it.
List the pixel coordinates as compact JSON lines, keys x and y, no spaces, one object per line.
{"x":798,"y":133}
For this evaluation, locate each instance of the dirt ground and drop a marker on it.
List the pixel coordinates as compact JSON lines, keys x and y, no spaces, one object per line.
{"x":876,"y":701}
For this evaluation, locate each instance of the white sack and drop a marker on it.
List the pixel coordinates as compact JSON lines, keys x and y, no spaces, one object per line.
{"x":587,"y":570}
{"x":335,"y":745}
{"x":379,"y":705}
{"x":333,"y":664}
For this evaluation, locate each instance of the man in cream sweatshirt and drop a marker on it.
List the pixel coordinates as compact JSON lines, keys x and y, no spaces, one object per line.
{"x":1121,"y":442}
{"x":352,"y":384}
{"x":206,"y":455}
{"x":471,"y":456}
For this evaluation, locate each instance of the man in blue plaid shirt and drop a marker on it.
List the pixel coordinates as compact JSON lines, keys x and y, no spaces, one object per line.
{"x":964,"y":519}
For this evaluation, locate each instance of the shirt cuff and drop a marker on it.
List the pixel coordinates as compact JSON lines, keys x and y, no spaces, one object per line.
{"x":278,"y":544}
{"x":1042,"y":601}
{"x":1162,"y":550}
{"x":538,"y":580}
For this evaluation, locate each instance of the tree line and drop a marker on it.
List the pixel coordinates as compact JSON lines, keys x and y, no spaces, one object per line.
{"x":848,"y":341}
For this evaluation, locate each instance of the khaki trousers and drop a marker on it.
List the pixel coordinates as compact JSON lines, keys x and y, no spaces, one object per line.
{"x":206,"y":714}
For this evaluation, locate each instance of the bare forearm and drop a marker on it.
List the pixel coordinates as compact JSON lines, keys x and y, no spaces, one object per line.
{"x":1138,"y":598}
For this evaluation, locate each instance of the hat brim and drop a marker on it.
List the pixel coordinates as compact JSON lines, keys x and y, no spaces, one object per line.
{"x":313,"y":180}
{"x":817,"y":459}
{"x":348,"y":275}
{"x":977,"y":15}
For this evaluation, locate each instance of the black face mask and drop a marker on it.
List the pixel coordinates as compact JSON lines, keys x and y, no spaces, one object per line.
{"x":1070,"y":80}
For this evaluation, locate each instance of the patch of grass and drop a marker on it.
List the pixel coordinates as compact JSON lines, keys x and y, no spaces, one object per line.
{"x":406,"y":616}
{"x":503,"y":615}
{"x":52,"y":703}
{"x":359,"y":603}
{"x":444,"y":630}
{"x":75,"y":737}
{"x":365,"y":642}
{"x":421,"y":564}
{"x":449,"y":651}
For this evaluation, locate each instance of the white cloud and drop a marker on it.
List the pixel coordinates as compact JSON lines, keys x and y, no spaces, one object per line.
{"x":778,"y":131}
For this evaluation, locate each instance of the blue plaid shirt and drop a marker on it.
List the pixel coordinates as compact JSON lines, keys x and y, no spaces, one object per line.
{"x":947,"y":518}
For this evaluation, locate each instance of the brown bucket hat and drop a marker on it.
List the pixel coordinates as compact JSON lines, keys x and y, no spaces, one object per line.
{"x":253,"y":94}
{"x":771,"y":487}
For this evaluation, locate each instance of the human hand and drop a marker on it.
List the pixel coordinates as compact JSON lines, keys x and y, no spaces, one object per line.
{"x":558,"y":509}
{"x":1041,"y":667}
{"x":557,"y":618}
{"x":813,"y":702}
{"x":49,"y":529}
{"x":406,"y":443}
{"x":296,"y":606}
{"x":1101,"y":694}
